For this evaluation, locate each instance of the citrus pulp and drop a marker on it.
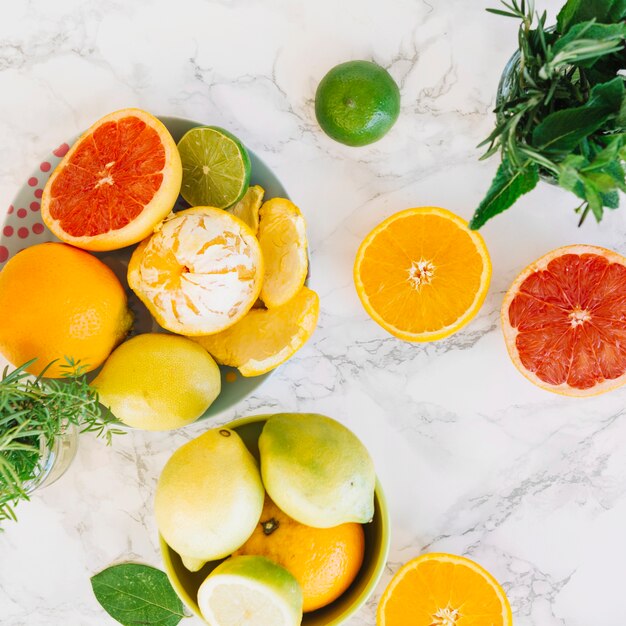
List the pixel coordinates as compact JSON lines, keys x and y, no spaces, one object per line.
{"x":443,"y":590}
{"x":564,"y":321}
{"x":216,"y":167}
{"x":422,"y":274}
{"x":200,"y":273}
{"x":250,"y":591}
{"x":116,"y":183}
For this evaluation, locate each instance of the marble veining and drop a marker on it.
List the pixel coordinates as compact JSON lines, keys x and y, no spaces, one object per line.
{"x":474,"y":459}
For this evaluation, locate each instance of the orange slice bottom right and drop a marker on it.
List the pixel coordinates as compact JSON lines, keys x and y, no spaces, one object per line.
{"x":443,"y":590}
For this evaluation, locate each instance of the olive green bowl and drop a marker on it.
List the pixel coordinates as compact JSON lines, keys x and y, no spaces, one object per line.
{"x":377,"y":537}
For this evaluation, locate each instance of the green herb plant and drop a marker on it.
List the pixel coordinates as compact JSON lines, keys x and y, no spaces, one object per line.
{"x":563,"y":113}
{"x":34,"y":411}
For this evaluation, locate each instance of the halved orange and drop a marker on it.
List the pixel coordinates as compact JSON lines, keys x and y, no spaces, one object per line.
{"x":564,"y":321}
{"x":443,"y":590}
{"x":422,"y":274}
{"x":116,"y":183}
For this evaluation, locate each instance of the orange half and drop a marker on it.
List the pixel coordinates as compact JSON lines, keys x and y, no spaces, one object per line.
{"x":443,"y":590}
{"x":117,"y":182}
{"x":422,"y":274}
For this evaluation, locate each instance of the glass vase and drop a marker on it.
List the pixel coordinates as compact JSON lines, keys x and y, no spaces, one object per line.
{"x":54,"y":460}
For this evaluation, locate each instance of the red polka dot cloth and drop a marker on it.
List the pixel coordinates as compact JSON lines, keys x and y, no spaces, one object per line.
{"x":23,"y":226}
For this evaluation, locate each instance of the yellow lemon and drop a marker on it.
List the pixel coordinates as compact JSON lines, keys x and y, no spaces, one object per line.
{"x":158,"y":382}
{"x":209,"y":497}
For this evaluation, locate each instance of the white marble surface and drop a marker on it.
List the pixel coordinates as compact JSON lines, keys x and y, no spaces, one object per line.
{"x":474,"y":459}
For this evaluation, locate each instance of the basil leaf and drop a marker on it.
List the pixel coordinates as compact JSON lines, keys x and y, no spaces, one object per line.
{"x":508,"y":185}
{"x":562,"y":131}
{"x":135,"y":595}
{"x":611,"y":200}
{"x":603,"y":11}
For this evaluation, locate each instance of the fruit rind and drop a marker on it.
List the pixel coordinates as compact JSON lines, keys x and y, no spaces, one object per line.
{"x":510,"y":333}
{"x":464,"y":319}
{"x":283,"y":241}
{"x":61,"y":331}
{"x":359,"y":73}
{"x":229,"y":346}
{"x":151,"y":215}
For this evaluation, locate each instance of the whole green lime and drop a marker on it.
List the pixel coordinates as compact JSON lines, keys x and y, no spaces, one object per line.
{"x":357,"y":103}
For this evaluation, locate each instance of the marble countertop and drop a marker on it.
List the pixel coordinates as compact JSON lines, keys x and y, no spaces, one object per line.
{"x":474,"y":459}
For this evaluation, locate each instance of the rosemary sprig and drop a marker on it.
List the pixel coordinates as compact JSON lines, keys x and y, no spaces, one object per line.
{"x":33,"y":412}
{"x":563,"y":110}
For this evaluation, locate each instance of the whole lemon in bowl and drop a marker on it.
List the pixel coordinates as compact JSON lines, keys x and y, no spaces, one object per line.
{"x":209,"y":497}
{"x":317,"y":470}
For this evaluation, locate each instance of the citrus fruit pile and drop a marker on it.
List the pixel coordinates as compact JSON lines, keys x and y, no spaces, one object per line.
{"x":228,"y":272}
{"x":290,"y":530}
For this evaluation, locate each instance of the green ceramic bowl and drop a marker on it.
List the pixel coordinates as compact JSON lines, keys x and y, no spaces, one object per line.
{"x":377,"y":537}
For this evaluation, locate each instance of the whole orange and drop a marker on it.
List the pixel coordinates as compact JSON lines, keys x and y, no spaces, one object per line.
{"x":57,"y":301}
{"x":324,"y":561}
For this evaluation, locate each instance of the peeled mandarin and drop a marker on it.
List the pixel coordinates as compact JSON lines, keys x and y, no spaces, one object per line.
{"x":200,"y":273}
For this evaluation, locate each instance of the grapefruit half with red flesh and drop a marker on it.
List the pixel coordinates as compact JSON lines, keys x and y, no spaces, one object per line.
{"x":116,"y":183}
{"x":564,"y":321}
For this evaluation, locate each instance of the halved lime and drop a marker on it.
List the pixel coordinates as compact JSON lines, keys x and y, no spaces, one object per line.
{"x":250,"y":591}
{"x":216,"y":167}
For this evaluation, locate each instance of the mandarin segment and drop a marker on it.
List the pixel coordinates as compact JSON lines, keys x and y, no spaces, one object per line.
{"x":422,"y":274}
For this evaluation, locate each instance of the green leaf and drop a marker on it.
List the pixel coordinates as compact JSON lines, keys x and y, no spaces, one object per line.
{"x":576,"y":11}
{"x":562,"y":131}
{"x":611,"y":200}
{"x":137,"y":595}
{"x":508,"y":185}
{"x":585,"y":43}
